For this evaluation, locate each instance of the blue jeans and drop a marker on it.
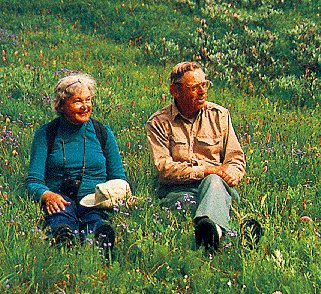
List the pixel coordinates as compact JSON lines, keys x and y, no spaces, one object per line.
{"x":211,"y":197}
{"x":80,"y":219}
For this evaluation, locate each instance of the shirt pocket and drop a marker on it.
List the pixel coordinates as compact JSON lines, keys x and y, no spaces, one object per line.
{"x":208,"y":147}
{"x":179,"y":148}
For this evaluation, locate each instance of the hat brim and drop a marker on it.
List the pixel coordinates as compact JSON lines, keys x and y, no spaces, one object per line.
{"x":89,"y":201}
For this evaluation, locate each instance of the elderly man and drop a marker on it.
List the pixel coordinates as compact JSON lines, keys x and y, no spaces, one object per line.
{"x":196,"y":154}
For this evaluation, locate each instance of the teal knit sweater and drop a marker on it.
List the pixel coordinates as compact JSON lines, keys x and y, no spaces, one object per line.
{"x":47,"y":174}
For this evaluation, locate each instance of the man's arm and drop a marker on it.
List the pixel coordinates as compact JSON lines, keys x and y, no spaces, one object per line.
{"x":233,"y":165}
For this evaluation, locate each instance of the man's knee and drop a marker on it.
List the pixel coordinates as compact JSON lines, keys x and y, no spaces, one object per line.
{"x":213,"y":180}
{"x":216,"y":183}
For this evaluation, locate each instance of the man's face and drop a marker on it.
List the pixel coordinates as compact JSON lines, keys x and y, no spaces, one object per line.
{"x":191,"y":92}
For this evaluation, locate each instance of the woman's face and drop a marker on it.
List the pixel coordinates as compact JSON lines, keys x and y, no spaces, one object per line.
{"x":77,"y":109}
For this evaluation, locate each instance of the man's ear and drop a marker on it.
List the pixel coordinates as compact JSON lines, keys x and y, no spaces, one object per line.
{"x":173,"y":90}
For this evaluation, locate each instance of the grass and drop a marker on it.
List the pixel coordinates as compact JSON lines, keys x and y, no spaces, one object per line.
{"x":154,"y":251}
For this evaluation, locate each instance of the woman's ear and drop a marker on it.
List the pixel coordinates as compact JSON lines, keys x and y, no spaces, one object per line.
{"x":61,"y":106}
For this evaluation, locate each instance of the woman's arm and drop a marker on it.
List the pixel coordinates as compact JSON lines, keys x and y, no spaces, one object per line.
{"x":114,"y":165}
{"x":36,"y":176}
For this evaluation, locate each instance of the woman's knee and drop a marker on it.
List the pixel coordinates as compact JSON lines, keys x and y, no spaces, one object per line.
{"x":67,"y":216}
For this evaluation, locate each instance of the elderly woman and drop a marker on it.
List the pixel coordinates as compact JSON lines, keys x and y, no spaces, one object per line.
{"x":69,"y":157}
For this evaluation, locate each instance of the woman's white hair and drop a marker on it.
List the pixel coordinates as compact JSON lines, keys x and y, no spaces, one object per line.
{"x":68,"y":86}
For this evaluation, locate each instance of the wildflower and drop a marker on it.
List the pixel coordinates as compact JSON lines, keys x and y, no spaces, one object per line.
{"x":187,"y":198}
{"x":278,"y":258}
{"x":121,"y":203}
{"x":232,"y":233}
{"x":156,"y":216}
{"x":125,"y":213}
{"x":107,"y":245}
{"x":8,"y":138}
{"x":167,"y":210}
{"x":178,"y":205}
{"x":46,"y":98}
{"x":90,"y":241}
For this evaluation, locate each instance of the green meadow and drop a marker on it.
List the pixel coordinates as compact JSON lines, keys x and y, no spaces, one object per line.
{"x":264,"y":59}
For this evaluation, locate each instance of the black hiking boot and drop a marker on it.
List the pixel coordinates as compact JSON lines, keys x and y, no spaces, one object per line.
{"x":63,"y":235}
{"x":105,"y":239}
{"x":206,"y":233}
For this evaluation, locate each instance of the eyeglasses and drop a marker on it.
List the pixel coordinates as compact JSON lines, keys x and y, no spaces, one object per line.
{"x":205,"y":85}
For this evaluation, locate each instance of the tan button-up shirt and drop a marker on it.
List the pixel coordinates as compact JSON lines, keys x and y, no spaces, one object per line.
{"x":182,"y":148}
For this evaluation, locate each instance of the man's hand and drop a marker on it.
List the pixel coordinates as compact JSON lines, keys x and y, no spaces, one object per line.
{"x":217,"y":170}
{"x":211,"y":170}
{"x":54,"y":202}
{"x":230,"y":180}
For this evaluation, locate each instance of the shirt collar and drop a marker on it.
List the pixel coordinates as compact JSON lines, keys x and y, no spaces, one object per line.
{"x":175,"y":112}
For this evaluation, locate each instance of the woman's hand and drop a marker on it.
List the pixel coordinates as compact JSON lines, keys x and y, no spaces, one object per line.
{"x":54,"y":202}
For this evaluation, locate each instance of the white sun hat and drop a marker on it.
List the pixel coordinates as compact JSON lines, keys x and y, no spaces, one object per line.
{"x":108,"y":194}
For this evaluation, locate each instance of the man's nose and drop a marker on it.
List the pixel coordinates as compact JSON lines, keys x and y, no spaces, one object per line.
{"x":201,"y":89}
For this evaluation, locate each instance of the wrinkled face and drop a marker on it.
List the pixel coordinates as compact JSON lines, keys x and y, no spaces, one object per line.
{"x":191,"y":92}
{"x":77,"y":109}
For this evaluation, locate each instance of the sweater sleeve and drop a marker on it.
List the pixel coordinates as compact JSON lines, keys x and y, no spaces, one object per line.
{"x":35,"y":180}
{"x":114,"y":165}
